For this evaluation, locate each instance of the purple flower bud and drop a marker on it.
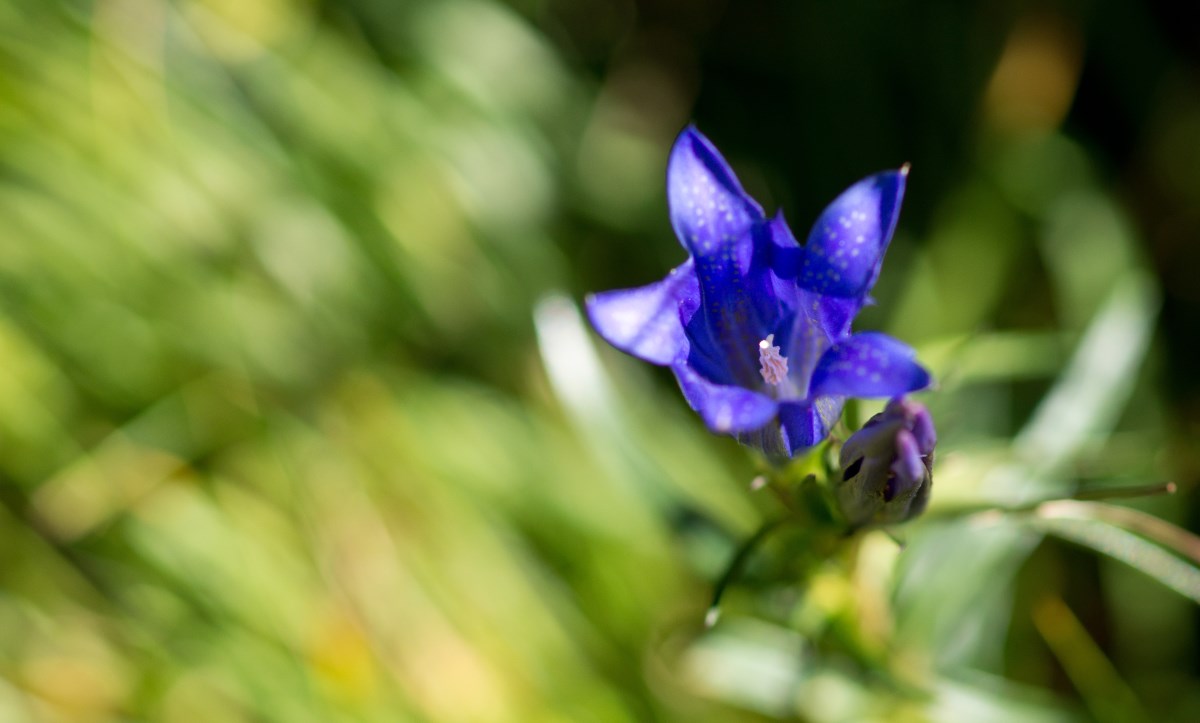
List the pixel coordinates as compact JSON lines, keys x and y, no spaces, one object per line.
{"x":887,"y":466}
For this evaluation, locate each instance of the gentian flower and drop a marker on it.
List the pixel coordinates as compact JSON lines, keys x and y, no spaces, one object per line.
{"x":887,"y":466}
{"x":755,"y":326}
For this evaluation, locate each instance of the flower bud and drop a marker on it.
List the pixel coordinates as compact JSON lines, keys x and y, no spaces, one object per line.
{"x":887,"y":466}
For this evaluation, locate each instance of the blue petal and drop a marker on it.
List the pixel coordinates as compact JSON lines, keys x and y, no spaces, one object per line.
{"x":846,"y":246}
{"x":868,"y":365}
{"x":800,"y":330}
{"x":710,"y":212}
{"x":726,"y":233}
{"x":806,"y":424}
{"x":784,"y":256}
{"x":820,"y":318}
{"x":837,"y":314}
{"x":645,"y":321}
{"x":725,"y":409}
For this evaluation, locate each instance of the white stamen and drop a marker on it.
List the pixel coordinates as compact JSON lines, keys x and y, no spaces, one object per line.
{"x":774,"y":366}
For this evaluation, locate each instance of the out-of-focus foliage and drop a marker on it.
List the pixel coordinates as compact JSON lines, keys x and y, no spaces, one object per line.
{"x":298,"y":421}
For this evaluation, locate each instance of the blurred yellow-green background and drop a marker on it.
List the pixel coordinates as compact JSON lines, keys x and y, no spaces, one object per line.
{"x":299,"y":422}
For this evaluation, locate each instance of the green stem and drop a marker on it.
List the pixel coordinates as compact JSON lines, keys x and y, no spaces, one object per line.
{"x":735,"y":567}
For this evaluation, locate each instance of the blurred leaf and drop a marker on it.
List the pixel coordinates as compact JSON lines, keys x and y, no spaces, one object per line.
{"x":1130,"y":549}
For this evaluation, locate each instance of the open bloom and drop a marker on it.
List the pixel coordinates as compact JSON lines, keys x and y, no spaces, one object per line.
{"x":887,"y":466}
{"x":755,"y":326}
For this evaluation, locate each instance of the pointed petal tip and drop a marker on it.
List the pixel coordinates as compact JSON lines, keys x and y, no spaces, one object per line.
{"x":904,"y":169}
{"x":869,"y":365}
{"x":709,"y":209}
{"x":591,"y":310}
{"x":644,"y":321}
{"x":847,"y":243}
{"x":589,"y":301}
{"x":926,"y":376}
{"x":691,"y":136}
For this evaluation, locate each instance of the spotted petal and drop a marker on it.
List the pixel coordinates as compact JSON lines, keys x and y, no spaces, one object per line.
{"x":818,"y":319}
{"x":845,"y":248}
{"x":645,"y":321}
{"x":725,"y":409}
{"x":711,"y":213}
{"x":725,"y":231}
{"x":868,"y":365}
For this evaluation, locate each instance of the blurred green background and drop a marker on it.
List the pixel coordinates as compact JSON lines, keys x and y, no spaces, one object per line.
{"x":298,"y":420}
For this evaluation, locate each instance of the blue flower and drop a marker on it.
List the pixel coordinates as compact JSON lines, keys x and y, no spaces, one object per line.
{"x":756,"y":327}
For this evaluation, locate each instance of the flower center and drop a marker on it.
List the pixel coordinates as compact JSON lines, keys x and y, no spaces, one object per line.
{"x":774,"y":365}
